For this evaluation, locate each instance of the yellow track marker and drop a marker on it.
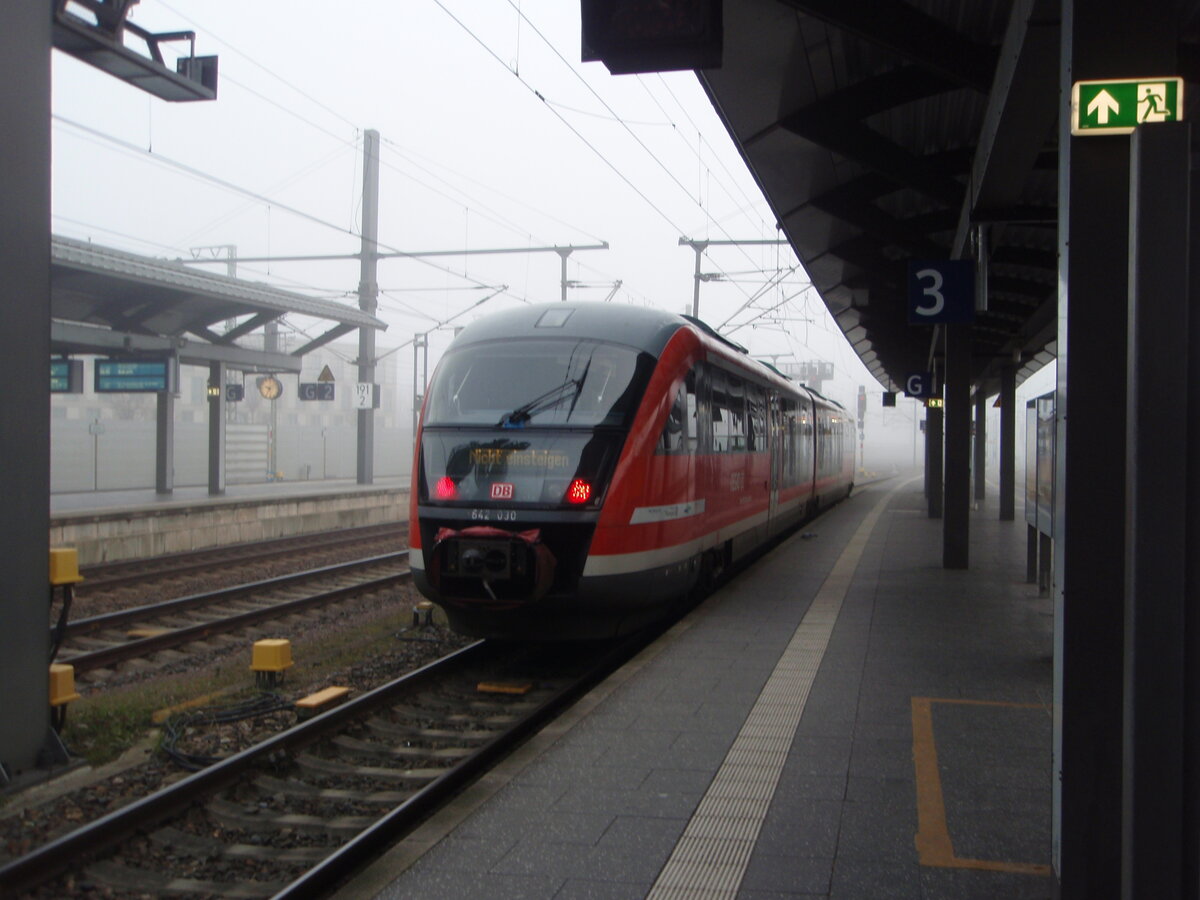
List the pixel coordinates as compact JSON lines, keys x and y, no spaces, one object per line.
{"x":504,"y":687}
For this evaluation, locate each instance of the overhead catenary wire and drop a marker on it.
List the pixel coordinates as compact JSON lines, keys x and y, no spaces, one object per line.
{"x":670,"y":174}
{"x":721,"y":162}
{"x":771,"y":282}
{"x":476,"y":207}
{"x":608,"y":163}
{"x":342,"y":141}
{"x":254,"y":62}
{"x":237,"y":189}
{"x":407,"y":154}
{"x":473,"y":202}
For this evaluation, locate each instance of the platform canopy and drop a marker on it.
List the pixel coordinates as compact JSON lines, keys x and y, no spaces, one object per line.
{"x":107,"y":301}
{"x":893,"y":131}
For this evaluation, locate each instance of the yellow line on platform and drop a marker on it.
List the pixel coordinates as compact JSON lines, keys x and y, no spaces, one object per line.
{"x":934,"y":847}
{"x":711,"y":858}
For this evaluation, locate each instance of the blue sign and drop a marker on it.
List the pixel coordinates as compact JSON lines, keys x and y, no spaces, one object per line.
{"x":941,"y":292}
{"x":316,"y":390}
{"x":920,"y":385}
{"x":128,"y":376}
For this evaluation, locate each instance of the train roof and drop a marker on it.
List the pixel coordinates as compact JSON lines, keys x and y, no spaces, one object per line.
{"x":634,"y":326}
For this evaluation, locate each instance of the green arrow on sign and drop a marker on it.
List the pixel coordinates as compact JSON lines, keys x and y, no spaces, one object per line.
{"x":1119,"y":106}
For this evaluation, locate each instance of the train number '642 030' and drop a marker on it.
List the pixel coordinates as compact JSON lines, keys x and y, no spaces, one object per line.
{"x":494,"y":515}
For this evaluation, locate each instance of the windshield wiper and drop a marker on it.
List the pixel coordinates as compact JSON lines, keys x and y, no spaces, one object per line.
{"x":552,"y":398}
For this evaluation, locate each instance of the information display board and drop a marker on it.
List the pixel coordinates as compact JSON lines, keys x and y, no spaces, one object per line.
{"x":66,"y":376}
{"x":130,"y":376}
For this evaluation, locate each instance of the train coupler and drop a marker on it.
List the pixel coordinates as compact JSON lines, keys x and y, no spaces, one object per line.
{"x":491,"y":566}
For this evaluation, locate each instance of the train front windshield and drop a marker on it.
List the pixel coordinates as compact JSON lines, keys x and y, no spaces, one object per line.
{"x":529,"y":421}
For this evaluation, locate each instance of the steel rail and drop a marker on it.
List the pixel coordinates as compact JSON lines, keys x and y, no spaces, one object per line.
{"x":54,"y":857}
{"x":96,"y":659}
{"x":358,"y":852}
{"x":96,"y":577}
{"x":193,"y":601}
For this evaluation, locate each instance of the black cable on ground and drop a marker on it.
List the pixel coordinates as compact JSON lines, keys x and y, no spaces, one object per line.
{"x":60,"y":630}
{"x":176,"y":726}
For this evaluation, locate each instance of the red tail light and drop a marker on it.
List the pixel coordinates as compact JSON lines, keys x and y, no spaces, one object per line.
{"x":446,"y":489}
{"x":580,"y":491}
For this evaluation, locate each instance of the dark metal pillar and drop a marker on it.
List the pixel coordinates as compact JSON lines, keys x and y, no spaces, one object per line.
{"x":933,"y":460}
{"x":1008,"y":443}
{"x":1156,"y":516}
{"x":1191,"y":673}
{"x":1100,"y":38}
{"x":368,"y":302}
{"x":957,"y":524}
{"x":980,"y":462}
{"x":164,"y":442}
{"x":217,"y":429}
{"x":25,"y":415}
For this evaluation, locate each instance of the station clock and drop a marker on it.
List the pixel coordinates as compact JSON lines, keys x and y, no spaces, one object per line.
{"x":270,"y":387}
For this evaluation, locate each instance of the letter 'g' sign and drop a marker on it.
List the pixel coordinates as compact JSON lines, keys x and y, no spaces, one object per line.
{"x":919,"y":385}
{"x":941,"y":291}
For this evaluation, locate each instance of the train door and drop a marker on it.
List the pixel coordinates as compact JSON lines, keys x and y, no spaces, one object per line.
{"x":775,"y":448}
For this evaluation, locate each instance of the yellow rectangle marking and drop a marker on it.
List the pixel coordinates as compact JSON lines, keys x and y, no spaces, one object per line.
{"x":149,"y":631}
{"x":934,"y":847}
{"x":504,"y":687}
{"x":322,"y":697}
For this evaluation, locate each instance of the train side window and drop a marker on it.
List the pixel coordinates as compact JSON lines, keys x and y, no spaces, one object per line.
{"x":822,"y":423}
{"x":787,"y":433}
{"x":756,"y":414}
{"x":691,"y":413}
{"x":701,"y":383}
{"x":806,"y":438}
{"x":720,"y":411}
{"x":674,"y":437}
{"x":737,"y":414}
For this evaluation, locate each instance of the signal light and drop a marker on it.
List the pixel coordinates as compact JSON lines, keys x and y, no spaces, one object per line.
{"x":580,"y":491}
{"x":446,"y":489}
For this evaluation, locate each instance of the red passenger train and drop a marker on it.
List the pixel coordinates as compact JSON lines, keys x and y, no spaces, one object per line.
{"x":580,"y":468}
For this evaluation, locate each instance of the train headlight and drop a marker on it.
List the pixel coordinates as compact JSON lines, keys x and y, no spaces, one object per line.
{"x":446,"y":489}
{"x":580,"y":491}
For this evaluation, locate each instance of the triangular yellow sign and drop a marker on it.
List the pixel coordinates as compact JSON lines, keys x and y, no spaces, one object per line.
{"x":325,"y":375}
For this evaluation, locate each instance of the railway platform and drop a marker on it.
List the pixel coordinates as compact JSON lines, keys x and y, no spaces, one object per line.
{"x":846,"y":719}
{"x":108,"y":526}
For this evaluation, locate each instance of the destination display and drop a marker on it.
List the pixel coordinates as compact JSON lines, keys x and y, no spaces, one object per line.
{"x":126,"y":376}
{"x":492,"y":457}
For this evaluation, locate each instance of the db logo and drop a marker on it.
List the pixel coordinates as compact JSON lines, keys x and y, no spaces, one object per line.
{"x":502,"y":490}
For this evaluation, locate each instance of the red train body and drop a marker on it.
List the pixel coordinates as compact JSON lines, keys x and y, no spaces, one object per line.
{"x":580,"y":468}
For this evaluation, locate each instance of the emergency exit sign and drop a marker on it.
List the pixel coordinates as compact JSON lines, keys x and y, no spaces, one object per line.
{"x":1118,"y":106}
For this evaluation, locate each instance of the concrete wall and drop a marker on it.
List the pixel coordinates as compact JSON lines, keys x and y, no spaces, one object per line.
{"x":118,"y":535}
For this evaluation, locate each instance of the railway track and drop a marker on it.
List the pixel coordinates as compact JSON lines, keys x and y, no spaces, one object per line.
{"x":127,"y":574}
{"x":301,"y":812}
{"x":103,"y":641}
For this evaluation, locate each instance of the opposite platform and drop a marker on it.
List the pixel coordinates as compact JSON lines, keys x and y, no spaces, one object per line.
{"x":845,"y":719}
{"x":121,"y":525}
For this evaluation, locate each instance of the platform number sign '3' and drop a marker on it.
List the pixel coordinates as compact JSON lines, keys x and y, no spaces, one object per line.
{"x":941,"y":291}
